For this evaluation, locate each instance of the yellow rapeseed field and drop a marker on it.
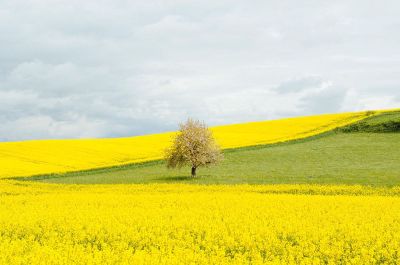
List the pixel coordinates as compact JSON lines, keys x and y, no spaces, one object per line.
{"x":29,"y":158}
{"x":190,"y":224}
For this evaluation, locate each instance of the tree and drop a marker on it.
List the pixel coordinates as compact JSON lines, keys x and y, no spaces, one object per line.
{"x":193,"y":146}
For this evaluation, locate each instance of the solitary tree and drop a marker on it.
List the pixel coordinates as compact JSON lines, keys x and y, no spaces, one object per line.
{"x":194,"y":146}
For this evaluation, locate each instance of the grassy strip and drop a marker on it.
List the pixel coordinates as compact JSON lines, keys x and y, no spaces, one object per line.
{"x":88,"y":172}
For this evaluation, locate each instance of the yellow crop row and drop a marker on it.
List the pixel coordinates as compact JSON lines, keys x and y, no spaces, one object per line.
{"x":189,"y":224}
{"x":28,"y":158}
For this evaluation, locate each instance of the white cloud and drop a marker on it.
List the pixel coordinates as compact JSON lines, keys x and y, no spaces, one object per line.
{"x":116,"y":68}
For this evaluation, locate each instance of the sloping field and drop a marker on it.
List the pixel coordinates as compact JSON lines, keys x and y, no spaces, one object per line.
{"x":366,"y":152}
{"x":29,"y":158}
{"x":197,"y":224}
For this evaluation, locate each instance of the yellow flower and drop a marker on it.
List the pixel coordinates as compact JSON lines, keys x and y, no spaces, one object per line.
{"x":198,"y":224}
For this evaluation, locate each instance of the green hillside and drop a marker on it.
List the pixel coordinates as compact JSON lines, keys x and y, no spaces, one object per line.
{"x":367,"y":153}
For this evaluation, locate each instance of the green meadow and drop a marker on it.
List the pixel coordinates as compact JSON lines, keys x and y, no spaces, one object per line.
{"x":366,"y":153}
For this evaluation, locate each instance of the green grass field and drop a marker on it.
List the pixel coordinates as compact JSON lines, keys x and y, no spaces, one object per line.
{"x":352,"y":155}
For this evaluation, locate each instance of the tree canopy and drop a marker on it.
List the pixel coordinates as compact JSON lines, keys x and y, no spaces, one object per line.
{"x":194,"y":145}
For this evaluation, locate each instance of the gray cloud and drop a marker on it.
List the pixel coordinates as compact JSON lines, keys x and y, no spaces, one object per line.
{"x":299,"y":84}
{"x":72,"y":69}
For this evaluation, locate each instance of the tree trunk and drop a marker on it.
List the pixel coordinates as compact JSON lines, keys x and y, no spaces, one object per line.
{"x":193,"y":172}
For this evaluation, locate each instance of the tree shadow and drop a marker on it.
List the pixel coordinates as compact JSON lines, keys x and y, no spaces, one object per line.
{"x":175,"y":179}
{"x":183,"y":178}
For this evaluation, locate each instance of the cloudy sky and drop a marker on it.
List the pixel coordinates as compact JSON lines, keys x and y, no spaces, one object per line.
{"x":77,"y":69}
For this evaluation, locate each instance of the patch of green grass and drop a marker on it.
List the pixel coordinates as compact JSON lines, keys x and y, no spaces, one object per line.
{"x":331,"y":158}
{"x":388,"y":122}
